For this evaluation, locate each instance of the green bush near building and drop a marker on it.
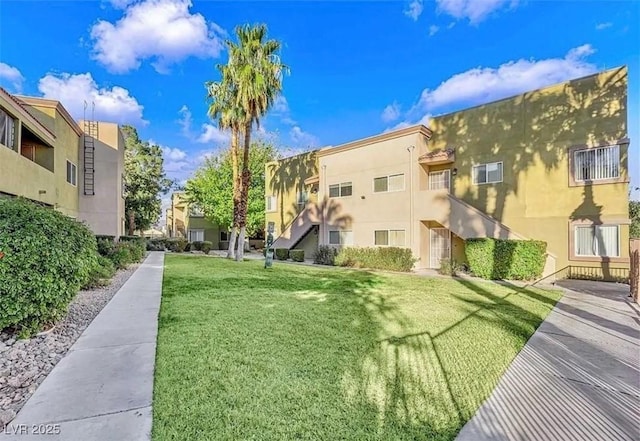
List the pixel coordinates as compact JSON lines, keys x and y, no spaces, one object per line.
{"x":177,"y":244}
{"x":45,"y":258}
{"x":297,"y":255}
{"x":325,"y":255}
{"x":384,"y":258}
{"x":282,"y":253}
{"x":101,"y":273}
{"x":500,"y":259}
{"x":206,"y":246}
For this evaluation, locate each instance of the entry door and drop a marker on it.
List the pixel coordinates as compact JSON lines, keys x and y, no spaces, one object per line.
{"x":439,"y":246}
{"x":439,"y":180}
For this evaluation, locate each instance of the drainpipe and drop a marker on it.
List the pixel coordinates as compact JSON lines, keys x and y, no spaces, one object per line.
{"x":410,"y":150}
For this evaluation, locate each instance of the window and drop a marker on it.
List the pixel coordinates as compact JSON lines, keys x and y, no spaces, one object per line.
{"x":302,"y":197}
{"x":487,"y":173}
{"x":7,"y":130}
{"x":340,"y":190}
{"x":393,"y":238}
{"x":224,"y":236}
{"x":439,"y":180}
{"x":196,"y":235}
{"x":72,"y":173}
{"x":597,"y":241}
{"x":596,"y":164}
{"x":271,"y":202}
{"x":388,"y":183}
{"x":337,"y":237}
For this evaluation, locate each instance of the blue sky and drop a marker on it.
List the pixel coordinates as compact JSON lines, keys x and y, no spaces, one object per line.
{"x":357,"y":68}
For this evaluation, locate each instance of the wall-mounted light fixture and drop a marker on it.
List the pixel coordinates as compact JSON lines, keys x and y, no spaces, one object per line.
{"x":362,"y":197}
{"x":454,"y":172}
{"x":42,"y":191}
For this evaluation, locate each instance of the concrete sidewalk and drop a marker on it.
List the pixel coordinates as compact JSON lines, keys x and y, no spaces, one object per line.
{"x":102,"y":389}
{"x":577,"y":378}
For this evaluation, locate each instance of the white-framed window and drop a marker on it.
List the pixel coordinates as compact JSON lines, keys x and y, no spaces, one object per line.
{"x":7,"y":130}
{"x":440,"y":180}
{"x":270,"y":203}
{"x":196,"y":235}
{"x":340,"y":237}
{"x":340,"y":190}
{"x":487,"y":173}
{"x":597,"y":240}
{"x":392,"y":238}
{"x":72,"y":173}
{"x":596,"y":164}
{"x":302,"y":197}
{"x":384,"y":184}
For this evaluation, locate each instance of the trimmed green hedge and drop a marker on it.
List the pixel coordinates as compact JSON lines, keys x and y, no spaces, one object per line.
{"x":196,"y":245}
{"x":45,"y":258}
{"x":282,"y":253}
{"x":297,"y":255}
{"x":177,"y":244}
{"x":384,"y":258}
{"x":158,"y":244}
{"x":206,"y":246}
{"x":499,"y":259}
{"x":105,"y":237}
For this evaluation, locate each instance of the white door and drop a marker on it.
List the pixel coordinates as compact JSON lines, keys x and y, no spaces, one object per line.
{"x":439,"y":180}
{"x":439,"y":246}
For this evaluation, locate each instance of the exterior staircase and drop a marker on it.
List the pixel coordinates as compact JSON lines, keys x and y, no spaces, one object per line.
{"x":298,"y":228}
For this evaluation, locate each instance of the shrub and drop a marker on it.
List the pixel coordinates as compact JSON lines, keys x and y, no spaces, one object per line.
{"x":297,"y":255}
{"x":449,"y":267}
{"x":282,"y":253}
{"x":105,"y":237}
{"x":156,"y":244}
{"x":384,"y":258}
{"x":121,"y":255}
{"x":325,"y":255}
{"x":100,"y":273}
{"x":136,"y":249}
{"x":177,"y":244}
{"x":45,"y":257}
{"x":187,"y":247}
{"x":196,"y":245}
{"x":206,"y":246}
{"x":506,"y":259}
{"x":131,"y":239}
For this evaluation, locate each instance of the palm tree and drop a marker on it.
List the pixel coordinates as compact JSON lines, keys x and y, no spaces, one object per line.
{"x":231,"y":117}
{"x":255,"y":70}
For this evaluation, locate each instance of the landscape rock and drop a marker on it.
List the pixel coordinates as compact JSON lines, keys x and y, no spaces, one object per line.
{"x":24,"y":364}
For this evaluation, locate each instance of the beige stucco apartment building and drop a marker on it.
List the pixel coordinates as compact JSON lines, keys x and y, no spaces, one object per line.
{"x":48,"y":157}
{"x":549,"y":164}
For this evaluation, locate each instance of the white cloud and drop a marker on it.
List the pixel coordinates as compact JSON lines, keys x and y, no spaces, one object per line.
{"x":173,"y":154}
{"x":113,"y":105}
{"x":481,"y":85}
{"x":281,"y":105}
{"x":121,"y":4}
{"x":433,"y":29}
{"x":12,"y":76}
{"x":299,"y":136}
{"x":209,"y":133}
{"x":163,"y":31}
{"x":473,"y":10}
{"x":391,"y":112}
{"x":603,"y":26}
{"x":414,"y":9}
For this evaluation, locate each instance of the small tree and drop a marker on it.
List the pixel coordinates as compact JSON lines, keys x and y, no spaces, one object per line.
{"x":210,"y":190}
{"x":144,"y":181}
{"x":634,"y":215}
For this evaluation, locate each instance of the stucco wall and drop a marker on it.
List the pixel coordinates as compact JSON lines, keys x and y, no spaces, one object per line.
{"x":104,"y":211}
{"x":283,"y":179}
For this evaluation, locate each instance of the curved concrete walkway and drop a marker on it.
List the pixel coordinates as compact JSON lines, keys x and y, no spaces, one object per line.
{"x":103,"y":388}
{"x":577,"y":378}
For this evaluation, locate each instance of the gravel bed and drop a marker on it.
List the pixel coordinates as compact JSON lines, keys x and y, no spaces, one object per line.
{"x":24,"y":364}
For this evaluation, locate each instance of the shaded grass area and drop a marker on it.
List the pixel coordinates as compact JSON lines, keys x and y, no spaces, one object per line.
{"x":307,"y":353}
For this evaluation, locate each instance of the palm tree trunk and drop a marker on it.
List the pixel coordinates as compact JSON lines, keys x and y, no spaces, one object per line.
{"x":244,"y":193}
{"x":235,"y":134}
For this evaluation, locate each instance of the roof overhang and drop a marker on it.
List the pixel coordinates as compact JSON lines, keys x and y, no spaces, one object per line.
{"x":19,"y":110}
{"x":438,"y":157}
{"x":52,"y":104}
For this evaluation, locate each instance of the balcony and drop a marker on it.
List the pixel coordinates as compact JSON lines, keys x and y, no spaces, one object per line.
{"x":23,"y":177}
{"x":438,"y":157}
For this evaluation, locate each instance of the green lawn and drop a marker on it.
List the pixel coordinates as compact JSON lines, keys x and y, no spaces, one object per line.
{"x":306,"y":353}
